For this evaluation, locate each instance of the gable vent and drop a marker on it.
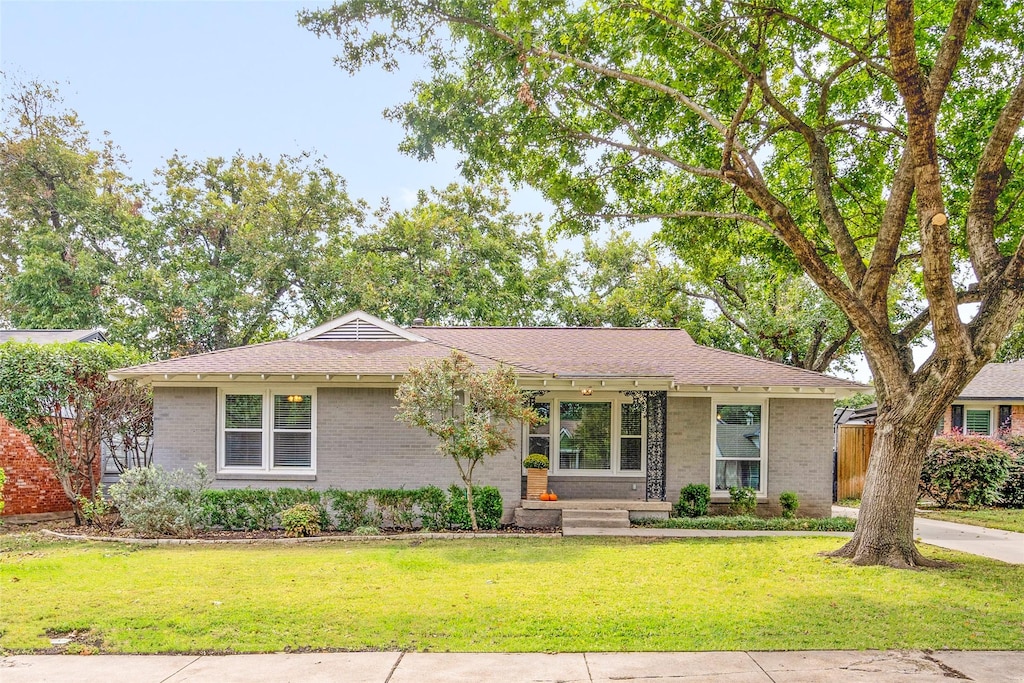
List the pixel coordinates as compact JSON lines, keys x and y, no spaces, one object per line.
{"x":358,"y":330}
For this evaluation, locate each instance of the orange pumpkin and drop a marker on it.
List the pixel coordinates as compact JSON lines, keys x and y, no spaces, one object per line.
{"x":545,"y":496}
{"x":552,"y":496}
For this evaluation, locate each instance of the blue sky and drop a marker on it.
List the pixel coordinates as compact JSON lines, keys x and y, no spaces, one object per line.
{"x":212,"y":78}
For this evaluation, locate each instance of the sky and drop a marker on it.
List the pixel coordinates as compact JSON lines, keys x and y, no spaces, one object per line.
{"x":214,"y":78}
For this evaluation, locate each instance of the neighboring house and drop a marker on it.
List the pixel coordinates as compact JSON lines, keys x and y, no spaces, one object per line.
{"x":992,"y":404}
{"x":638,"y":413}
{"x":31,"y":486}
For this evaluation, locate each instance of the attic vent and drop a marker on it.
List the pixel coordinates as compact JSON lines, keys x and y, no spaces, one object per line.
{"x":358,"y":330}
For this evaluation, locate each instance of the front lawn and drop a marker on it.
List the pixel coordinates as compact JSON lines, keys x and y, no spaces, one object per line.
{"x":503,"y":594}
{"x":994,"y":518}
{"x":747,"y":523}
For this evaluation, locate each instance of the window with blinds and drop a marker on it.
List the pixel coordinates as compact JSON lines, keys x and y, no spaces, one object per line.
{"x":584,"y":438}
{"x":978,"y":422}
{"x":738,"y":452}
{"x":267,"y":431}
{"x":540,"y":435}
{"x":243,"y":430}
{"x":293,"y":430}
{"x":631,"y":438}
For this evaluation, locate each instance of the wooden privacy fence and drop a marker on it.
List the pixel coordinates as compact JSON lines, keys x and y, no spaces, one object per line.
{"x":854,"y":448}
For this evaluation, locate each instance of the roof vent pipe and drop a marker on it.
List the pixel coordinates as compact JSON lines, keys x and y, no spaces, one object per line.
{"x":418,"y":321}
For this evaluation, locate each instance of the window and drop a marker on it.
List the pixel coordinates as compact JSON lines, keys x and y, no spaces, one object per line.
{"x":272,"y":430}
{"x":978,"y":422}
{"x":590,"y":437}
{"x":737,"y":446}
{"x":539,"y":440}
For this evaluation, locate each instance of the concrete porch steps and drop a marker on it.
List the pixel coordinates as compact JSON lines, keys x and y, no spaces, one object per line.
{"x":594,"y":519}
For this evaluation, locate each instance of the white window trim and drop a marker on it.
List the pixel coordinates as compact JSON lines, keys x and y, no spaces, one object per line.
{"x":554,"y":428}
{"x":267,"y":430}
{"x":717,"y":401}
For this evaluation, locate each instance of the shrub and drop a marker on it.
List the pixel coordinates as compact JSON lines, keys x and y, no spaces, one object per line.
{"x":487,"y":504}
{"x":395,"y":507}
{"x":351,"y":508}
{"x":964,"y":469}
{"x":790,"y":503}
{"x":285,"y":498}
{"x":745,"y":523}
{"x":694,"y":500}
{"x":1012,"y":493}
{"x":3,"y":480}
{"x":433,"y":505}
{"x":366,"y":531}
{"x":154,"y":502}
{"x":744,"y":500}
{"x":301,"y":519}
{"x":240,"y":509}
{"x":96,"y":511}
{"x":535,"y":461}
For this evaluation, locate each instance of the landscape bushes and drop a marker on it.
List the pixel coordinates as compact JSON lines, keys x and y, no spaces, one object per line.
{"x":158,"y":503}
{"x":965,"y":469}
{"x":1012,"y":493}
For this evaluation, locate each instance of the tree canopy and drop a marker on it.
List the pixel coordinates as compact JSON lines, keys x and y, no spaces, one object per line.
{"x":873,"y":147}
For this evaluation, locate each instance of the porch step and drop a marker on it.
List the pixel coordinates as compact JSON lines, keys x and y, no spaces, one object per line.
{"x":595,"y":519}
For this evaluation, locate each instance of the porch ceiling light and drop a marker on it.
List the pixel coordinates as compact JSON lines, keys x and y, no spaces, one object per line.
{"x":295,"y":399}
{"x":587,"y":391}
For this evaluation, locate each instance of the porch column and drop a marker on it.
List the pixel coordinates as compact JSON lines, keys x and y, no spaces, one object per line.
{"x":657,"y":408}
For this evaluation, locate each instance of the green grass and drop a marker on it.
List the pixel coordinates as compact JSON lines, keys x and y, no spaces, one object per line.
{"x":745,"y":523}
{"x":994,"y":518}
{"x":849,"y":502}
{"x":503,"y":594}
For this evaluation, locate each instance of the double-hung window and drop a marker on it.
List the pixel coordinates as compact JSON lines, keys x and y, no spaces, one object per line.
{"x":267,"y":431}
{"x":738,"y":447}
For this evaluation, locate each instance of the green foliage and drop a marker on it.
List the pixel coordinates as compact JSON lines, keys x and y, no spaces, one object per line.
{"x":350,"y":508}
{"x":535,"y":461}
{"x":433,"y":503}
{"x":748,"y":523}
{"x":155,"y":502}
{"x":3,"y":481}
{"x":240,"y":509}
{"x":790,"y":503}
{"x":744,"y":500}
{"x":61,"y":397}
{"x":1012,"y":493}
{"x":472,"y":414}
{"x":95,"y":510}
{"x":694,"y":500}
{"x":856,"y":400}
{"x":964,"y":469}
{"x":301,"y":519}
{"x":394,"y":507}
{"x":487,"y":504}
{"x":366,"y":531}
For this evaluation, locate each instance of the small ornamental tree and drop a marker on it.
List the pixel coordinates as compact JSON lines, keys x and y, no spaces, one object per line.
{"x":60,"y":396}
{"x":471,"y":412}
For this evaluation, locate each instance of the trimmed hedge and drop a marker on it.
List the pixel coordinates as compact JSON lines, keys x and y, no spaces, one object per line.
{"x":746,"y":523}
{"x":694,"y":500}
{"x":1012,"y":493}
{"x":429,"y":508}
{"x":965,"y":469}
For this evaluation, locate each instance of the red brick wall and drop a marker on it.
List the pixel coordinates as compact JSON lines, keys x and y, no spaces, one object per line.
{"x":31,"y":486}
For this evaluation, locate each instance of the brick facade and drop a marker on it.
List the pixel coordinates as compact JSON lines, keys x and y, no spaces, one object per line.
{"x":31,"y":486}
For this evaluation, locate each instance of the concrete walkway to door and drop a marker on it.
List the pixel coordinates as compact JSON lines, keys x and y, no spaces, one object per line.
{"x":997,"y":544}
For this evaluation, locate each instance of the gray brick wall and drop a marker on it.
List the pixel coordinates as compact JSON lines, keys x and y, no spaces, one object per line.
{"x":799,"y":450}
{"x":800,"y":453}
{"x":359,"y":445}
{"x":185,"y":427}
{"x":688,"y":444}
{"x":590,"y":488}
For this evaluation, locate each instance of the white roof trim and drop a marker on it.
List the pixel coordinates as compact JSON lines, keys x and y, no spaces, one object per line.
{"x":371,"y":321}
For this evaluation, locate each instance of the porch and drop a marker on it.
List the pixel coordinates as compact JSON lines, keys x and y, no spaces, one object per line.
{"x":588,"y":513}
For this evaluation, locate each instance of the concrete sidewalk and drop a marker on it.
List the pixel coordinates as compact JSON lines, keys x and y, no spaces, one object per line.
{"x":419,"y":667}
{"x":997,"y":544}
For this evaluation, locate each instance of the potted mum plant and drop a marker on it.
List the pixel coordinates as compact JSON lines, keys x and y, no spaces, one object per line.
{"x":536,"y":466}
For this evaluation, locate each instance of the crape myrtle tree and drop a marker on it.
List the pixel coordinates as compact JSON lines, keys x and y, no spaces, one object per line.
{"x":474,"y":414}
{"x":874,"y":146}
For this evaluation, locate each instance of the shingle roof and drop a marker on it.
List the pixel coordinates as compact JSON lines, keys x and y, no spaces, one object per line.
{"x":51,"y":336}
{"x":997,"y":381}
{"x":667,"y":354}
